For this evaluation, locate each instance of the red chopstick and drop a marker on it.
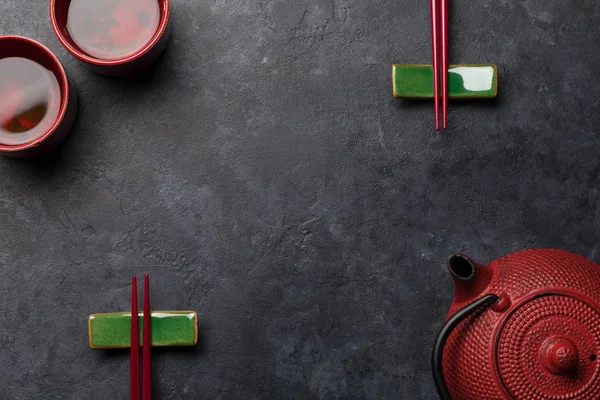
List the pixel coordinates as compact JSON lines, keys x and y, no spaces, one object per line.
{"x":134,"y":373}
{"x":445,"y":43}
{"x":434,"y":5}
{"x":134,"y":367}
{"x":147,"y":345}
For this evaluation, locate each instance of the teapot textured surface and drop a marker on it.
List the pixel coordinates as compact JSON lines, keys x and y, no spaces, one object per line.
{"x":541,"y":337}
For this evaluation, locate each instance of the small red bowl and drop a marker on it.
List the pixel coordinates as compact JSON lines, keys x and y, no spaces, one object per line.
{"x":17,"y":46}
{"x":130,"y":65}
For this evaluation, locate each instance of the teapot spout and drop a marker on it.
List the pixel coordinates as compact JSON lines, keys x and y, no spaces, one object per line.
{"x":471,"y":279}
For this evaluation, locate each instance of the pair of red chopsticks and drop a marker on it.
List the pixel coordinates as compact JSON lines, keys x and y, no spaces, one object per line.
{"x":134,"y":383}
{"x":440,"y":22}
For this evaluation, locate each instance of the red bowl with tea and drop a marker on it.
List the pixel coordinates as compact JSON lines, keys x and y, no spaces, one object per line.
{"x":37,"y":103}
{"x":112,"y":37}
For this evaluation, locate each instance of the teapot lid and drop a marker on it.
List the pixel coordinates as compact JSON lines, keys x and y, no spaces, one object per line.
{"x":548,"y":348}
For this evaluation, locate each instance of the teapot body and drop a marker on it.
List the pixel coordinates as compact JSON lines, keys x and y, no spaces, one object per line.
{"x":540,"y":339}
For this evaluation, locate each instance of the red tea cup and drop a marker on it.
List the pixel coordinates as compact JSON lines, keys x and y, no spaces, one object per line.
{"x":125,"y":66}
{"x":65,"y":108}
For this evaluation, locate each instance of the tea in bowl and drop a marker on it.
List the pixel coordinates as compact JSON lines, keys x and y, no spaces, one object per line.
{"x":112,"y":37}
{"x":38,"y":105}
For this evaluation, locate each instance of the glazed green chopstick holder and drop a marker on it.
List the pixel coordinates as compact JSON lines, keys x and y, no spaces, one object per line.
{"x":465,"y":81}
{"x":169,"y":328}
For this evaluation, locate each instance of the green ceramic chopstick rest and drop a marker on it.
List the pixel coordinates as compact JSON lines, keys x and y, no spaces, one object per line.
{"x":168,"y":328}
{"x":465,"y":81}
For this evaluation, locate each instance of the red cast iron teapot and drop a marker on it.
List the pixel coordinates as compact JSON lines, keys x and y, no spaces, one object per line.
{"x":524,"y":327}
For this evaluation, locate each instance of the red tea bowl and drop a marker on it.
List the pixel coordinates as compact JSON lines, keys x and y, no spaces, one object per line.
{"x":77,"y":27}
{"x":43,"y":109}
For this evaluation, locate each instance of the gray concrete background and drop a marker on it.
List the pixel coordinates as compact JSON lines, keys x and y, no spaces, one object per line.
{"x":264,"y":176}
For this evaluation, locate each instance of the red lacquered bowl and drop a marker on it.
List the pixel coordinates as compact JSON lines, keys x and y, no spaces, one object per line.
{"x":17,"y":46}
{"x":130,"y":65}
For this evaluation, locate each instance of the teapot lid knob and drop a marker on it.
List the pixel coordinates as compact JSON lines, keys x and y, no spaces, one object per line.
{"x":559,"y":355}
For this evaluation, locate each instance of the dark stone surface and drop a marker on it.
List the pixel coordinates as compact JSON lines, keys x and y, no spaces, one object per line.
{"x":265,"y":177}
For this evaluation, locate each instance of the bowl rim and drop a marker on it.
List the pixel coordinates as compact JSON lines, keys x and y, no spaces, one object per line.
{"x":65,"y":96}
{"x":162,"y":26}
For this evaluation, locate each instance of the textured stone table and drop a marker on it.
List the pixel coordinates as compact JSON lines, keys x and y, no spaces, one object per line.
{"x":264,"y":176}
